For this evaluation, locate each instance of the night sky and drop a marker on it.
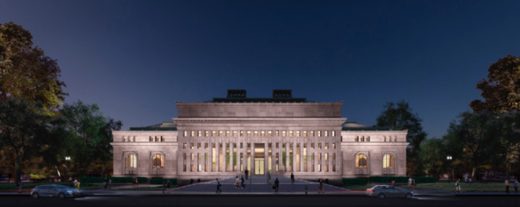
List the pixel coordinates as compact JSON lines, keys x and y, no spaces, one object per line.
{"x":136,"y":59}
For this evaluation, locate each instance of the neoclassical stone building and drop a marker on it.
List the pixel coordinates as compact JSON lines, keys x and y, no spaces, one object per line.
{"x":280,"y":135}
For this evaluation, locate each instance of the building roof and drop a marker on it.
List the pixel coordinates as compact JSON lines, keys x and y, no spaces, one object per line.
{"x":240,"y":96}
{"x":164,"y":126}
{"x":354,"y":126}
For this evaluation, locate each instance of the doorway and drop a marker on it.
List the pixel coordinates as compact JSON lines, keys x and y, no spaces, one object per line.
{"x":259,"y":159}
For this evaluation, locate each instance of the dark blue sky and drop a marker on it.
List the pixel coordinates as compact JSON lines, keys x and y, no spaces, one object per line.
{"x":135,"y":59}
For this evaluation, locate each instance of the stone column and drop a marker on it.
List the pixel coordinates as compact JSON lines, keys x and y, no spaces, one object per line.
{"x":287,"y":157}
{"x":231,"y":154}
{"x":239,"y":151}
{"x":217,"y":154}
{"x":265,"y":158}
{"x":301,"y":155}
{"x":293,"y":157}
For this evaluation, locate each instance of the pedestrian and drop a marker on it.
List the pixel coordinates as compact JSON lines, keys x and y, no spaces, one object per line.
{"x":320,"y":190}
{"x":106,"y":182}
{"x":164,"y":187}
{"x":268,"y":177}
{"x":237,"y":182}
{"x":413,"y":183}
{"x":219,"y":187}
{"x":410,"y":180}
{"x":246,"y":173}
{"x":242,"y":182}
{"x":109,"y":182}
{"x":292,"y":178}
{"x":276,"y":185}
{"x":457,"y":186}
{"x":506,"y":183}
{"x":515,"y":185}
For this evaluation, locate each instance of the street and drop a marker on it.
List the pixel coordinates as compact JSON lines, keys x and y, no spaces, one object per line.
{"x":257,"y":200}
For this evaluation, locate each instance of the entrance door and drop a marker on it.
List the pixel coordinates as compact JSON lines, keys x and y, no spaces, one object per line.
{"x":259,"y":166}
{"x":259,"y":159}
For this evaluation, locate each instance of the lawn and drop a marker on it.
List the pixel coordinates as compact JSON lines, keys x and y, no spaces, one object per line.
{"x":447,"y":186}
{"x":466,"y":187}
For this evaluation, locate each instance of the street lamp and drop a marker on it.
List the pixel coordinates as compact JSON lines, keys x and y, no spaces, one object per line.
{"x":67,"y":158}
{"x":449,"y":158}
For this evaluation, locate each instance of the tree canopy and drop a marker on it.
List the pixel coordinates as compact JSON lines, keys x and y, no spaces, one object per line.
{"x":501,"y":89}
{"x":399,"y":116}
{"x":26,"y":72}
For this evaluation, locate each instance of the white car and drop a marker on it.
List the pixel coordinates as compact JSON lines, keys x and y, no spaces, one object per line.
{"x":388,"y":191}
{"x":53,"y":190}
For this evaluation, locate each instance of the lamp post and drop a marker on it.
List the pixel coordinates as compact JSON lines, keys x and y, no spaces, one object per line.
{"x":449,"y":158}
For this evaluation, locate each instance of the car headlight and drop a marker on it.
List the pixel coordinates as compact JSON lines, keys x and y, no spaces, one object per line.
{"x":70,"y":191}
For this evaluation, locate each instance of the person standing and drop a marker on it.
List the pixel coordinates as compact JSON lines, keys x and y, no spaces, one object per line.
{"x":292,"y":178}
{"x":219,"y":187}
{"x":320,"y":190}
{"x":276,"y":185}
{"x":506,"y":183}
{"x":515,"y":184}
{"x":457,"y":186}
{"x":268,"y":177}
{"x":246,"y":173}
{"x":242,"y":182}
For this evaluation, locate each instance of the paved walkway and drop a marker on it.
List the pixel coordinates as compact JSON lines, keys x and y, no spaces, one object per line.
{"x":258,"y":184}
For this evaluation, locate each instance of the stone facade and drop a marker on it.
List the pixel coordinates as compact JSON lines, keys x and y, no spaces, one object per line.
{"x":281,"y":136}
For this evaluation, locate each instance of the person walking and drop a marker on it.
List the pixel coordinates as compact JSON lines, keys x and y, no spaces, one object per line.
{"x":457,"y":186}
{"x":246,"y":173}
{"x":320,"y":190}
{"x":276,"y":185}
{"x":242,"y":182}
{"x":515,"y":184}
{"x":219,"y":187}
{"x":506,"y":183}
{"x":292,"y":178}
{"x":237,"y":182}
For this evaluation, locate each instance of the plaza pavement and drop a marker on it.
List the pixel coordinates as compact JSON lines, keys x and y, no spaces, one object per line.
{"x":259,"y":185}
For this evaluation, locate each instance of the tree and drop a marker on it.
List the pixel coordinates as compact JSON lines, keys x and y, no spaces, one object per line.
{"x":22,"y":130}
{"x":501,"y":89}
{"x":476,"y":141}
{"x":26,"y":72}
{"x":399,"y":116}
{"x":30,"y":92}
{"x":432,"y":154}
{"x":90,"y":134}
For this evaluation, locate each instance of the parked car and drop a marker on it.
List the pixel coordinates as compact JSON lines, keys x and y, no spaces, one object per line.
{"x":388,"y":191}
{"x":60,"y":191}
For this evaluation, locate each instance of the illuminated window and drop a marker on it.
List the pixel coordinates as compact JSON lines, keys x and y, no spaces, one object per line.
{"x":262,"y":133}
{"x":193,"y":133}
{"x":326,"y":133}
{"x":304,"y":133}
{"x":207,"y":134}
{"x":284,"y":133}
{"x":158,"y":161}
{"x":131,"y":161}
{"x":291,"y":133}
{"x":388,"y":161}
{"x":199,"y":133}
{"x":361,"y":160}
{"x":318,"y":133}
{"x":185,"y":133}
{"x":297,"y":133}
{"x":333,"y":133}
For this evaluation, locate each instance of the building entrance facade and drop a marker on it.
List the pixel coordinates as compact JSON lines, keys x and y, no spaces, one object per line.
{"x":281,"y":135}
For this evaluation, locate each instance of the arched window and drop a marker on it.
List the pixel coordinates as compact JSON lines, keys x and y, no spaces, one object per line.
{"x":361,"y":160}
{"x":388,"y":161}
{"x":158,"y":161}
{"x":131,"y":161}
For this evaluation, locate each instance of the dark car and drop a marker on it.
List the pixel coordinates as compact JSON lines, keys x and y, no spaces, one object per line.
{"x":387,"y":191}
{"x":59,"y":191}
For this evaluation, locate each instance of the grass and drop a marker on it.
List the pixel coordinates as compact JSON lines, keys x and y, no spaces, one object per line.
{"x":447,"y":186}
{"x":466,"y":187}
